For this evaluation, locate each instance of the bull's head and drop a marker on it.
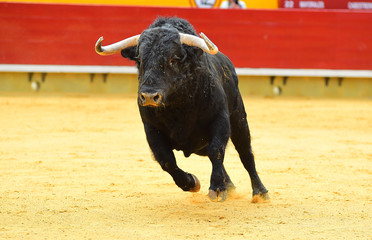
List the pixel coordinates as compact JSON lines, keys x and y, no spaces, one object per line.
{"x":160,"y":58}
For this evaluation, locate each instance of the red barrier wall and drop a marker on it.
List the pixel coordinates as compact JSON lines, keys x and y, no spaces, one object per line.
{"x":66,"y":34}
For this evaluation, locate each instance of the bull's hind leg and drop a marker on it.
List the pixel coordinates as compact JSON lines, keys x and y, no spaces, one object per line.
{"x":163,"y":154}
{"x":229,"y":184}
{"x":241,"y":139}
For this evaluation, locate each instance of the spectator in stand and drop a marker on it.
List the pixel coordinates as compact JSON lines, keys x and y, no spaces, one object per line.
{"x":233,"y":4}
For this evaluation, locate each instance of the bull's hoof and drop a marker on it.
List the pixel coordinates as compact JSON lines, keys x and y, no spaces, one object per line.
{"x":217,"y":196}
{"x":230,"y":187}
{"x":261,"y":198}
{"x":197,"y":184}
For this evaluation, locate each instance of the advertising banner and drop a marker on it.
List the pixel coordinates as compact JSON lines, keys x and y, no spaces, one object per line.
{"x":327,"y":4}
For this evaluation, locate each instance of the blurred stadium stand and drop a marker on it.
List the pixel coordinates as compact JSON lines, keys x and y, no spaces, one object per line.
{"x":311,"y":52}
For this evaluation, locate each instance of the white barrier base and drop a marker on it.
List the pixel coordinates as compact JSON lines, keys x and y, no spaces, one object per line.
{"x":239,"y":71}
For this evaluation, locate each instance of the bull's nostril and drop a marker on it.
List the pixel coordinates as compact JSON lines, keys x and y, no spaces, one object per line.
{"x":142,"y":96}
{"x":156,"y":98}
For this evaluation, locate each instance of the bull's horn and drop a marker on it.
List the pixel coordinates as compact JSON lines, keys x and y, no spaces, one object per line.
{"x":203,"y":43}
{"x":116,"y":47}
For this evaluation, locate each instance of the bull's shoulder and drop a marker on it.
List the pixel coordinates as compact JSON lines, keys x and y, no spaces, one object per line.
{"x":224,"y":75}
{"x":223,"y":69}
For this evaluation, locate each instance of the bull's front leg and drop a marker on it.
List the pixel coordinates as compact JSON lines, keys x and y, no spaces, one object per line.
{"x":220,"y":181}
{"x":163,"y":153}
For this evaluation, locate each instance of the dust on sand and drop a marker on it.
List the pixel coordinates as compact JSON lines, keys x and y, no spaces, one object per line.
{"x":78,"y":167}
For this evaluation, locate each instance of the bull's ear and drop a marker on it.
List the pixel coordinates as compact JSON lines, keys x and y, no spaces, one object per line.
{"x":130,"y":52}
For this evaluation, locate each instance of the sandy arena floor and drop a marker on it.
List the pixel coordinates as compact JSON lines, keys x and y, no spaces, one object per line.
{"x":78,"y":167}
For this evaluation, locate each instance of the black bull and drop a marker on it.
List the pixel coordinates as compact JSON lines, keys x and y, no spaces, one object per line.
{"x":189,"y":100}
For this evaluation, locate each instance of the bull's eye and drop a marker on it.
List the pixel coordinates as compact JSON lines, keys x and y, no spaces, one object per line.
{"x":173,"y":61}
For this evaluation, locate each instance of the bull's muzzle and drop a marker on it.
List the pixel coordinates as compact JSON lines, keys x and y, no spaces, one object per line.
{"x":150,"y":99}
